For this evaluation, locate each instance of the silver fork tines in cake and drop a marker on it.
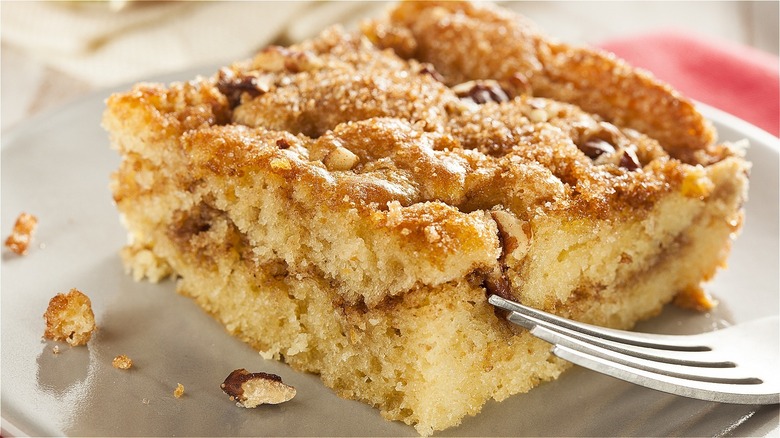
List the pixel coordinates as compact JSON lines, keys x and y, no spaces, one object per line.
{"x":737,"y":364}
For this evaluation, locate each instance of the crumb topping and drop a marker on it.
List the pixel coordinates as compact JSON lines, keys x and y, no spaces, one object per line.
{"x":21,"y":235}
{"x":416,"y":133}
{"x":69,"y":318}
{"x":472,"y":41}
{"x":378,"y":128}
{"x":122,"y":362}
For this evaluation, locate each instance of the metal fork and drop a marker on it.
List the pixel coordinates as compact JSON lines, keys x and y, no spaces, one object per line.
{"x":738,"y":364}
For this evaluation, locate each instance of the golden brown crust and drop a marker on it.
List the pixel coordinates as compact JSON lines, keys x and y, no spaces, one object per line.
{"x":601,"y":83}
{"x":406,"y":137}
{"x":370,"y":135}
{"x":466,"y":41}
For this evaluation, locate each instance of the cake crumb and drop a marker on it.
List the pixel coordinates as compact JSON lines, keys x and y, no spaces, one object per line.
{"x":250,"y":390}
{"x":69,"y":318}
{"x":695,"y":298}
{"x":143,"y":263}
{"x":55,"y":349}
{"x":122,"y":362}
{"x":432,"y":234}
{"x":179,"y":391}
{"x":697,"y":184}
{"x":281,"y":163}
{"x":22,"y":233}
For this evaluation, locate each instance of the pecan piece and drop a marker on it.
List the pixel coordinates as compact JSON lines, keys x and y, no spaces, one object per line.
{"x":629,"y":160}
{"x":233,"y":85}
{"x":276,"y":59}
{"x":340,"y":158}
{"x":429,"y":69}
{"x":250,"y":390}
{"x":596,"y":148}
{"x":480,"y":92}
{"x":512,"y":233}
{"x":603,"y":139}
{"x":495,"y":282}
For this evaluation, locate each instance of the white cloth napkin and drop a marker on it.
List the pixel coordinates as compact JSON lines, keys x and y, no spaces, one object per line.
{"x":103,"y":46}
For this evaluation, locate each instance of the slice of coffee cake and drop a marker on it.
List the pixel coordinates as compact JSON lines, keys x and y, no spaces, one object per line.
{"x":348,"y":203}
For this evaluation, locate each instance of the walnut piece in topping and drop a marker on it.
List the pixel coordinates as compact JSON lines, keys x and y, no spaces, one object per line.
{"x":513,"y":236}
{"x":21,"y":235}
{"x":234,"y":85}
{"x":270,"y":59}
{"x":496,"y":283}
{"x":69,"y":318}
{"x":276,"y":59}
{"x":340,"y":158}
{"x":122,"y":362}
{"x":596,"y":148}
{"x":517,"y":84}
{"x":538,"y":115}
{"x":250,"y":390}
{"x":629,"y":160}
{"x":480,"y":92}
{"x":429,"y":69}
{"x":179,"y":391}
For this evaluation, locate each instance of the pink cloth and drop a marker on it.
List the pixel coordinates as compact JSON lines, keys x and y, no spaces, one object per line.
{"x":739,"y":80}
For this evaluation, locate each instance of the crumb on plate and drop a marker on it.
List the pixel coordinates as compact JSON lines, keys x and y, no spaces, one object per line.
{"x":122,"y":362}
{"x":69,"y":318}
{"x":22,"y":233}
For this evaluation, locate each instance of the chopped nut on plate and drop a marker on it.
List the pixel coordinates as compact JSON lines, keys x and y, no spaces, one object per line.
{"x":21,"y":235}
{"x":69,"y":318}
{"x":250,"y":390}
{"x":122,"y":362}
{"x":179,"y":391}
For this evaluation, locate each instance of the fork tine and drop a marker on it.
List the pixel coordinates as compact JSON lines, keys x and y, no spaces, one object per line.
{"x":691,"y":370}
{"x":559,"y":335}
{"x":752,"y":394}
{"x":672,"y":364}
{"x":664,"y":342}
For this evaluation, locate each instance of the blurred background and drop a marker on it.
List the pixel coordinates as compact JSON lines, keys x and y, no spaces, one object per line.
{"x":53,"y":52}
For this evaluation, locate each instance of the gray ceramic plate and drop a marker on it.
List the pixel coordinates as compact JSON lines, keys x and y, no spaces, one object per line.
{"x":57,"y":166}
